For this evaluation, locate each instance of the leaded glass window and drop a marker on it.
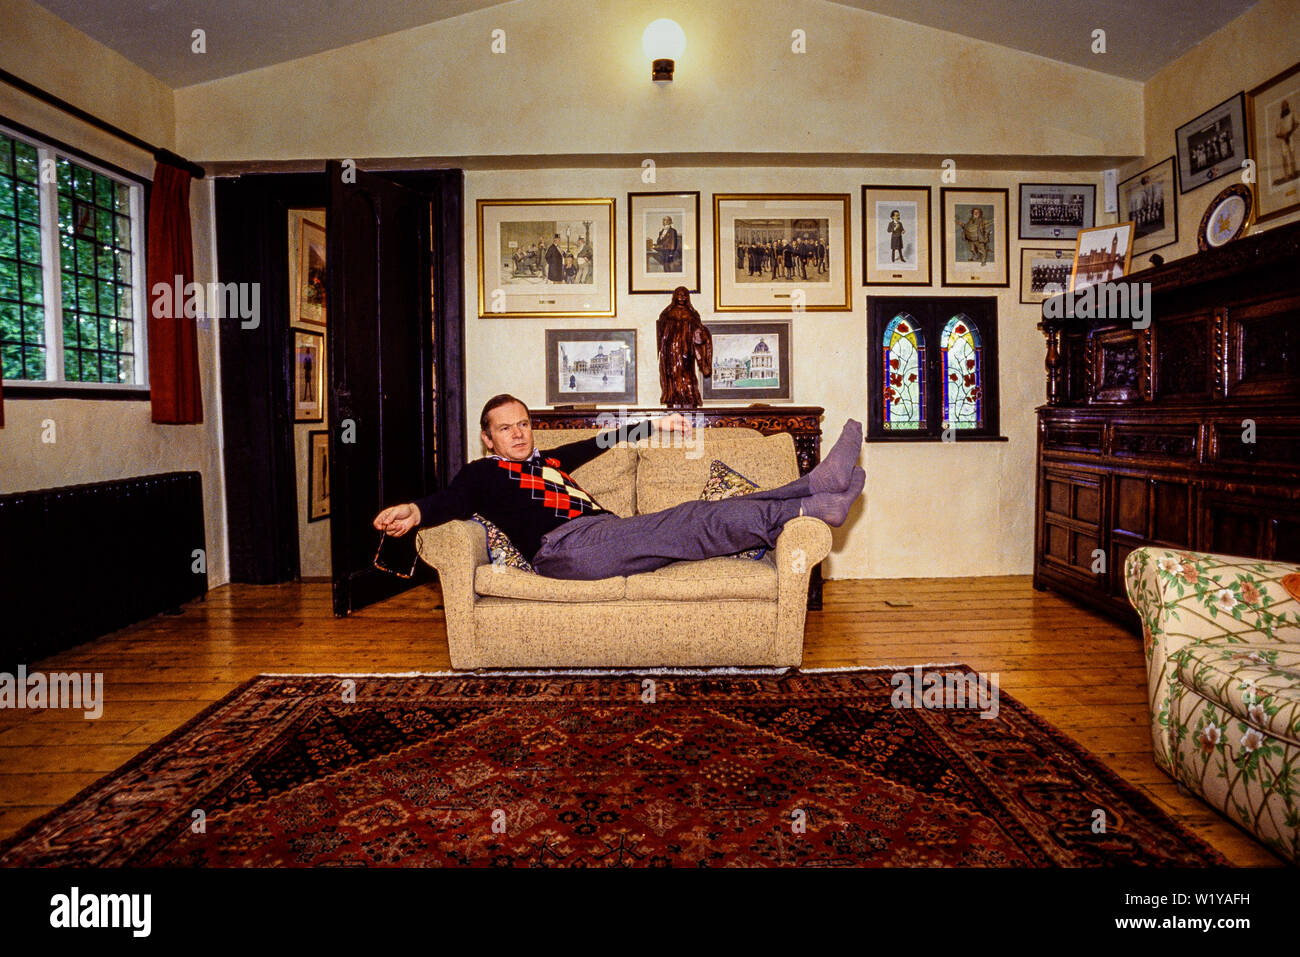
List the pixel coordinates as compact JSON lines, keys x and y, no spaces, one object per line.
{"x":903,"y":364}
{"x":933,"y":369}
{"x":961,"y":366}
{"x":71,"y":268}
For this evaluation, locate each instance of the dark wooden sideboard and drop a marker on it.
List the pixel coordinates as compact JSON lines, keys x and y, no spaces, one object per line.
{"x":802,"y":422}
{"x":1184,"y":434}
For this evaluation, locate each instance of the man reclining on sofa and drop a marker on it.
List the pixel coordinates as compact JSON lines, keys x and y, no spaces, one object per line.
{"x":564,"y":533}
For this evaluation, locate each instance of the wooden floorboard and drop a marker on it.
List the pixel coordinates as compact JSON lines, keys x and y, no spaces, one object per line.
{"x":1077,"y":670}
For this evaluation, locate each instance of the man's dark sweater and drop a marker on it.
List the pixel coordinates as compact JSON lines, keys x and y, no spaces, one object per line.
{"x":524,"y":499}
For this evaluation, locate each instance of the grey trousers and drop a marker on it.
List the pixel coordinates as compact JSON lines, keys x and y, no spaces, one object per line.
{"x":602,"y":546}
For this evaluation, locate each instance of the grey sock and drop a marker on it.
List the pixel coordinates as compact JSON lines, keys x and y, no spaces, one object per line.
{"x":835,"y":471}
{"x":833,"y":507}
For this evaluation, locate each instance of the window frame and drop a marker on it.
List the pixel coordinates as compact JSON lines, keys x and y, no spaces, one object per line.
{"x":52,"y":277}
{"x":929,"y":316}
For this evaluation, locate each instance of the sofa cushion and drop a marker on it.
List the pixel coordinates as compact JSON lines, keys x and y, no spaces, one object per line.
{"x":1258,"y":682}
{"x":666,"y":477}
{"x":609,"y":478}
{"x":726,"y":482}
{"x":501,"y":550}
{"x":709,"y":579}
{"x":501,"y":582}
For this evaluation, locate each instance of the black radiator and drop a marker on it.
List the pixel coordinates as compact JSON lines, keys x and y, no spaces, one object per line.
{"x":80,"y":561}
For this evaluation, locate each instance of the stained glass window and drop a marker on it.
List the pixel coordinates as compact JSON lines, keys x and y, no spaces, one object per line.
{"x":962,"y":386}
{"x":903,"y":362}
{"x":81,"y":224}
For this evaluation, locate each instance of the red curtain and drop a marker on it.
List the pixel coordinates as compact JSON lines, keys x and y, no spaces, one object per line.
{"x":173,"y":338}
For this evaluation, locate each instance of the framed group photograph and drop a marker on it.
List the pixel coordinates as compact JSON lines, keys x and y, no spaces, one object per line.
{"x":1044,"y":272}
{"x":1211,"y":146}
{"x":976,"y":247}
{"x":1056,"y":210}
{"x":1101,"y":254}
{"x":1271,"y":110}
{"x":780,"y":251}
{"x":663,"y":242}
{"x":308,"y":376}
{"x":545,"y":257}
{"x":318,"y":475}
{"x":896,"y":236}
{"x":590,"y":365}
{"x":751,"y":360}
{"x":1149,"y":199}
{"x":311,"y":273}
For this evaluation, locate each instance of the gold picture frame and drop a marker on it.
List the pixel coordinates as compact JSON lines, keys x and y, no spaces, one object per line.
{"x":783,"y":252}
{"x":309,"y":284}
{"x":542,"y":258}
{"x":1101,"y":264}
{"x":1277,"y":177}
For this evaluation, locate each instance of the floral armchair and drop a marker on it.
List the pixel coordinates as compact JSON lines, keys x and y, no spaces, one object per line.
{"x":1222,"y":641}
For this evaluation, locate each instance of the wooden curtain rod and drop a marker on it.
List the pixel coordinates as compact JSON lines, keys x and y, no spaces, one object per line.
{"x":159,"y":154}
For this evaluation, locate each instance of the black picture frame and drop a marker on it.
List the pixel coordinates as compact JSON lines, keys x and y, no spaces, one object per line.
{"x":1199,"y":144}
{"x":780,"y":329}
{"x":557,"y":397}
{"x":1058,"y":232}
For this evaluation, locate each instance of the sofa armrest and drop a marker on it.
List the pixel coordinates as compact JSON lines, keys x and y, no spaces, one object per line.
{"x":1184,"y":597}
{"x":803,"y":542}
{"x":455,"y":549}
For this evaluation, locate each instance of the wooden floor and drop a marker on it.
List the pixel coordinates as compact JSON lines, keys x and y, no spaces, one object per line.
{"x":1077,"y":670}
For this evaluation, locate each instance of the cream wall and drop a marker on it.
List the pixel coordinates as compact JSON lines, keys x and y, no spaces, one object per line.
{"x":98,"y":440}
{"x":574,"y":82}
{"x":930,"y":509}
{"x":1258,"y":45}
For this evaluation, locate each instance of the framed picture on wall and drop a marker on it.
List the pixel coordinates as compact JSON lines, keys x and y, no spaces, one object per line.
{"x":1150,"y":200}
{"x":1271,"y":117}
{"x":975,"y":244}
{"x":590,"y":365}
{"x":663,"y":242}
{"x":780,"y":252}
{"x":1211,"y":146}
{"x":318,"y":475}
{"x":896,"y":236}
{"x":1044,"y":272}
{"x":545,"y":257}
{"x":1056,"y":210}
{"x":751,"y":360}
{"x":310,"y":283}
{"x":1101,"y":255}
{"x":308,"y":376}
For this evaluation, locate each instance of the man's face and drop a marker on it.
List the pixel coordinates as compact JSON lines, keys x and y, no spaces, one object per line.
{"x":510,"y":432}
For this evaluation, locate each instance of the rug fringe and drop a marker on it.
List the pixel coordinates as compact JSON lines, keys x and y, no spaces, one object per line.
{"x":541,"y":673}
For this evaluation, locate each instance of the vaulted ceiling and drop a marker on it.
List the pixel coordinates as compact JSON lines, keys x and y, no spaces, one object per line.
{"x":1142,"y":36}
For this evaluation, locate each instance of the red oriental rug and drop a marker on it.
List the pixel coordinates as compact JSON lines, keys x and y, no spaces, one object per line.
{"x":789,"y":769}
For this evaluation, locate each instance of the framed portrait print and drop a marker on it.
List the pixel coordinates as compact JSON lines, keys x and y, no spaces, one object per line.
{"x":1044,"y":272}
{"x":1101,"y":254}
{"x":780,"y":251}
{"x":663,"y":242}
{"x":1212,"y":145}
{"x":976,"y":247}
{"x":590,"y":365}
{"x":1148,"y":198}
{"x":311,"y":273}
{"x":751,"y":360}
{"x":318,"y":475}
{"x":1271,"y":117}
{"x":308,"y":376}
{"x":545,"y":257}
{"x":1056,"y":210}
{"x":896,"y":236}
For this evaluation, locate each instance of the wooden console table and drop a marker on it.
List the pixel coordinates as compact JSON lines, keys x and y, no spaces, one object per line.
{"x":802,"y":422}
{"x":1184,"y":434}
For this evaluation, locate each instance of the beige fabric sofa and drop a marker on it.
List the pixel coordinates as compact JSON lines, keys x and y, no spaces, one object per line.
{"x":719,"y":611}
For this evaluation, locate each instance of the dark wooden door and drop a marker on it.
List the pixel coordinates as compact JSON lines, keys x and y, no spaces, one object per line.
{"x":379,"y":351}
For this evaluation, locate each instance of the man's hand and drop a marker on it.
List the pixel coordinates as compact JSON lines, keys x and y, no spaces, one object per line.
{"x":674,"y":422}
{"x":397,"y":520}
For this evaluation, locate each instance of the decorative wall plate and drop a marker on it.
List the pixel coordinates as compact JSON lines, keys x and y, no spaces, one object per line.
{"x":1227,"y":218}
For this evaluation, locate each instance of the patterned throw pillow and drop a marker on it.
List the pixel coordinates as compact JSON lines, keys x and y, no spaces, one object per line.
{"x":726,"y":482}
{"x":501,"y":550}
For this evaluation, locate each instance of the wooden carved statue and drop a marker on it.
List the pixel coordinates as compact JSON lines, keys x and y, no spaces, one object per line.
{"x":683,"y":342}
